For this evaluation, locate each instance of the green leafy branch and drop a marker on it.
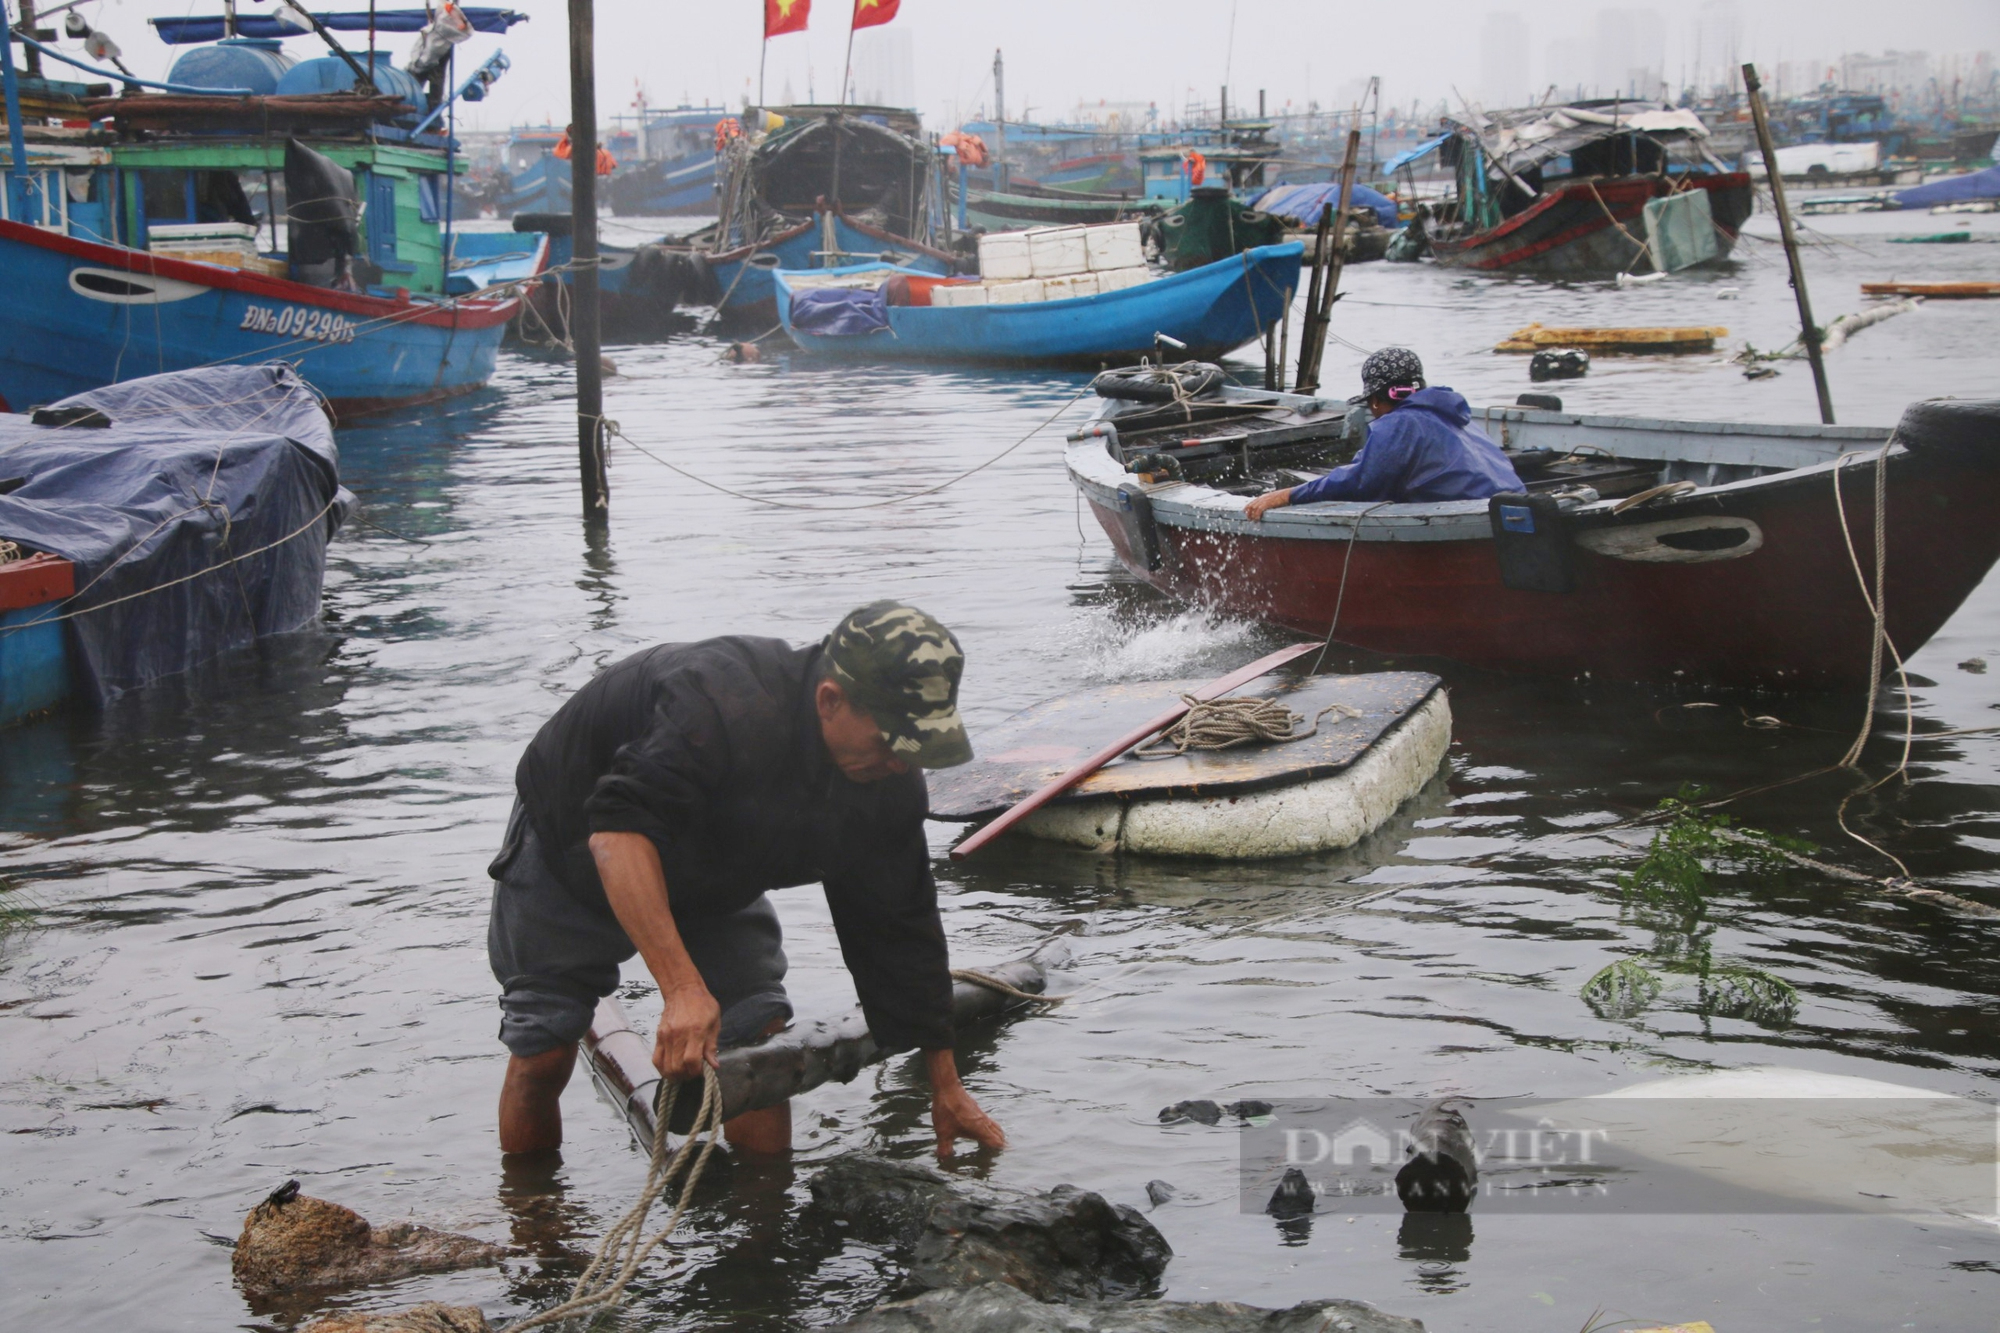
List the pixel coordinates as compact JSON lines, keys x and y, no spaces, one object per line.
{"x":1670,"y":891}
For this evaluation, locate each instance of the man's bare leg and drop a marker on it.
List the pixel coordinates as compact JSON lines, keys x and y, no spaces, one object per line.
{"x":531,"y":1100}
{"x":763,"y":1133}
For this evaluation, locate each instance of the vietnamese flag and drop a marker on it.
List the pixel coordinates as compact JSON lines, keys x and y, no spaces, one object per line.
{"x":871,"y":13}
{"x":783,"y":16}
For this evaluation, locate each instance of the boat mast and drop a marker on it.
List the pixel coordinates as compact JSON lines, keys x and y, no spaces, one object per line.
{"x":999,"y":122}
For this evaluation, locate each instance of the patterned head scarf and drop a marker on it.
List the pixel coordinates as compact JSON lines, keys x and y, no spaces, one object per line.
{"x":1390,"y":368}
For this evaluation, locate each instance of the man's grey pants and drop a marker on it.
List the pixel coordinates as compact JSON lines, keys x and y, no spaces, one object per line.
{"x":555,"y":958}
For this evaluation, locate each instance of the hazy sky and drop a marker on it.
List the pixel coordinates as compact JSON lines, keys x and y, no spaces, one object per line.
{"x":1061,"y":51}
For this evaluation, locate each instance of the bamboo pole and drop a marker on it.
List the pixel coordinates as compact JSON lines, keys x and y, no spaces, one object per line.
{"x":1307,"y":380}
{"x":584,"y":330}
{"x":1808,"y":331}
{"x":1309,"y":368}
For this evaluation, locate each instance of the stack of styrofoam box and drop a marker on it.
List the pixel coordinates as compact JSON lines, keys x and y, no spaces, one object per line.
{"x":1016,"y":293}
{"x":957,"y":294}
{"x":231,"y":244}
{"x":1003,"y":257}
{"x":1118,"y":279}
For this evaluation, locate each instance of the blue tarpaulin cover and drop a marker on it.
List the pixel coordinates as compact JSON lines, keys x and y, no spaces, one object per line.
{"x":1417,"y":154}
{"x":1952,"y":190}
{"x":836,"y":311}
{"x":209,"y":28}
{"x":1304,"y":203}
{"x":197,"y":521}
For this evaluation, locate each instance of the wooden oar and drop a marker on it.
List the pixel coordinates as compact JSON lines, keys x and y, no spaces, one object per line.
{"x":1213,"y":690}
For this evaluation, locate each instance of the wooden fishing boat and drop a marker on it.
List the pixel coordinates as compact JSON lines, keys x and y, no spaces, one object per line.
{"x":137,"y":249}
{"x":1022,"y":207}
{"x":1697,"y":552}
{"x":1210,"y":310}
{"x":1591,"y":189}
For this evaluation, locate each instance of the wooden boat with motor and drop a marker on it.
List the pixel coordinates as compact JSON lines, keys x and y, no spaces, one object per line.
{"x":1642,"y":549}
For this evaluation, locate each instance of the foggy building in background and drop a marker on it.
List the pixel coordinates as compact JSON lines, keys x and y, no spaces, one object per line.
{"x":885,"y":67}
{"x":1504,"y":76}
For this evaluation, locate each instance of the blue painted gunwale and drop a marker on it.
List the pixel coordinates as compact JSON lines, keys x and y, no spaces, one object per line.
{"x":59,"y":342}
{"x":1214,"y":309}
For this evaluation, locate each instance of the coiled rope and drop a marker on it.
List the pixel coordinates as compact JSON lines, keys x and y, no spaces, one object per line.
{"x":625,"y":1246}
{"x":1220,"y":724}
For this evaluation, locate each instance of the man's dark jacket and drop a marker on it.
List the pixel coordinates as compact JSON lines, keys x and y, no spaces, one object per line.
{"x":713,"y":751}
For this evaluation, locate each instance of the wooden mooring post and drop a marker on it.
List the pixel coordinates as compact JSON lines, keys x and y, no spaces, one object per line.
{"x":1808,"y":331}
{"x":584,"y":329}
{"x":1312,"y":341}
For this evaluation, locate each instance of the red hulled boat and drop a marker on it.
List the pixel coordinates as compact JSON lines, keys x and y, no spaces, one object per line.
{"x":1589,"y":190}
{"x":1644,"y":550}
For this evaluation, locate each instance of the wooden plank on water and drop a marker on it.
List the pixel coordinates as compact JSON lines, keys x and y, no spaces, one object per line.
{"x":1038,"y":744}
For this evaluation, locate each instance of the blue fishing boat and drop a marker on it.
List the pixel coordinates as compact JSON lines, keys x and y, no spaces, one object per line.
{"x":1208,"y":311}
{"x":137,"y":250}
{"x":148,"y":527}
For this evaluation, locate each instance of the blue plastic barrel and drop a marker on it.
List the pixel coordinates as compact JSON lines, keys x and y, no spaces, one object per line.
{"x":256,"y":63}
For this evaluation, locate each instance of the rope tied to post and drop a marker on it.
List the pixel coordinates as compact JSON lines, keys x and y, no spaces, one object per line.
{"x":1220,"y":724}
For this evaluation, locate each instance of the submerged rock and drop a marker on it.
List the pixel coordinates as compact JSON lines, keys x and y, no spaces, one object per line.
{"x":293,"y":1242}
{"x":1063,"y":1244}
{"x":1294,"y":1196}
{"x":1159,"y":1191}
{"x":1442,"y":1170}
{"x":430,"y":1317}
{"x":997,"y":1308}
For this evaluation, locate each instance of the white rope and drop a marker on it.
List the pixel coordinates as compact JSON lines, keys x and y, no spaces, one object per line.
{"x":622,"y":1250}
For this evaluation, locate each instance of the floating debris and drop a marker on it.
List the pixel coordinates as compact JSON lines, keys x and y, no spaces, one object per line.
{"x":1559,"y":363}
{"x":1676,"y":339}
{"x":1442,"y":1171}
{"x":293,"y":1242}
{"x":1936,"y":291}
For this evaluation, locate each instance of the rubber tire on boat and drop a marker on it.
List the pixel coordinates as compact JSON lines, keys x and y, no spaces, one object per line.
{"x":1968,"y":431}
{"x":554,"y":224}
{"x":1134,"y":387}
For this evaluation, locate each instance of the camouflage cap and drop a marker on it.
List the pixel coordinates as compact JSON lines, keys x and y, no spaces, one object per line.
{"x":902,"y":668}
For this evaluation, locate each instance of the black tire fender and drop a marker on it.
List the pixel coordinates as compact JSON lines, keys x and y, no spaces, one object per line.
{"x":1967,"y":430}
{"x":1136,"y":386}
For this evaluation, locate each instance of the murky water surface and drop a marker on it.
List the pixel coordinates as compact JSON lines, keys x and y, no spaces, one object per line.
{"x":262,"y":898}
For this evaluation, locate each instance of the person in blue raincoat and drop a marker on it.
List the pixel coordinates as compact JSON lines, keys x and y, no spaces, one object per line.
{"x":1422,"y":446}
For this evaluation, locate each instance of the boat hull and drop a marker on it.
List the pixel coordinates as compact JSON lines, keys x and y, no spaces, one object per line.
{"x":660,"y":189}
{"x":1592,"y":229}
{"x":1214,"y":310}
{"x":90,"y":315}
{"x":1785,"y":612}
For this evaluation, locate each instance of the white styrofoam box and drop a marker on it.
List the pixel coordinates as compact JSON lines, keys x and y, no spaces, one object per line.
{"x":1058,"y":252}
{"x":1118,"y":279}
{"x":1004,"y":257}
{"x":970,"y":293}
{"x":1114,"y":245}
{"x":1015,"y":293}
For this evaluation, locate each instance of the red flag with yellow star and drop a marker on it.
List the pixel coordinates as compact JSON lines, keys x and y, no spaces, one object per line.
{"x":783,"y":16}
{"x":870,"y":13}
